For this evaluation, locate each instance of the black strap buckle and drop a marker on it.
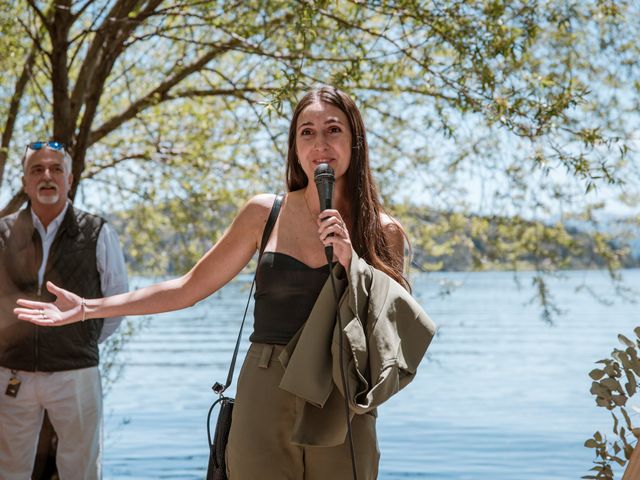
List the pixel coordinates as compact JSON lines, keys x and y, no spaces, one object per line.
{"x":218,"y":388}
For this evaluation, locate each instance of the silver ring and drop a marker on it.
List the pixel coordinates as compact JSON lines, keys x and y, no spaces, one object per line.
{"x":43,"y":316}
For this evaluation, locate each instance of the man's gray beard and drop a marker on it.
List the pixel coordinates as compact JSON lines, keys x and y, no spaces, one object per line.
{"x":48,"y":199}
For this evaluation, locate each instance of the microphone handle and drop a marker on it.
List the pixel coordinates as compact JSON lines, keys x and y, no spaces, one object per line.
{"x":326,"y":197}
{"x":328,"y":251}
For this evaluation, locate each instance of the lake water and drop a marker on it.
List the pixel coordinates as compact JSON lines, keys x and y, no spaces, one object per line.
{"x":501,"y":396}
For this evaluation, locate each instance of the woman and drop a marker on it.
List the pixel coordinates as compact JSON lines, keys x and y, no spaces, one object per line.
{"x":269,"y":438}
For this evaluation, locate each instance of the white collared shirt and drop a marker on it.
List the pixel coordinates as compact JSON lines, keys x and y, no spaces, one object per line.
{"x":109,"y":262}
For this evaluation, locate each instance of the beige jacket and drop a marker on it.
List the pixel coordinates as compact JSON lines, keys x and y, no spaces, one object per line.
{"x":386,"y":334}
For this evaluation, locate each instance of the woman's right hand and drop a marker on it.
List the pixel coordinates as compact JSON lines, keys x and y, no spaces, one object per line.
{"x":66,"y":309}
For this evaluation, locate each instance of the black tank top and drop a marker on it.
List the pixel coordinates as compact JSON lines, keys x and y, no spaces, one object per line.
{"x":286,"y":290}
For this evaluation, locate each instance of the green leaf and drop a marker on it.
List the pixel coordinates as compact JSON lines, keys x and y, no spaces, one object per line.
{"x":600,"y":390}
{"x":619,"y":399}
{"x":611,"y":369}
{"x":618,"y":460}
{"x":626,"y":341}
{"x":591,"y":443}
{"x":611,"y":384}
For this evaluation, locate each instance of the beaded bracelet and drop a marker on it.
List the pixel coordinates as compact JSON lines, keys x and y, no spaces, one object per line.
{"x":84,"y":309}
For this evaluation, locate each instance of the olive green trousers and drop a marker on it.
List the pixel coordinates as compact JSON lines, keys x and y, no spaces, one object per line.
{"x":259,"y":446}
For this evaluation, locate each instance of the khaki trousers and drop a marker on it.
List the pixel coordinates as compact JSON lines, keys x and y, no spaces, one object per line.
{"x":73,"y":399}
{"x":259,"y":445}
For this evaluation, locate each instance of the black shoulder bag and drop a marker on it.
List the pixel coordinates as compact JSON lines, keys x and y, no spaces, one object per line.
{"x":217,"y":469}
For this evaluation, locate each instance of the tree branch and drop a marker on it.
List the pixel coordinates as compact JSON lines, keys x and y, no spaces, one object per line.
{"x":463,"y":90}
{"x":39,"y":13}
{"x":96,"y":169}
{"x":83,"y":34}
{"x":14,"y":204}
{"x":109,"y":47}
{"x":217,"y":92}
{"x":254,"y":49}
{"x":34,"y":38}
{"x":63,"y":124}
{"x":14,"y":106}
{"x":161,"y":92}
{"x":157,"y":95}
{"x":97,"y":52}
{"x":239,"y":92}
{"x":82,"y":9}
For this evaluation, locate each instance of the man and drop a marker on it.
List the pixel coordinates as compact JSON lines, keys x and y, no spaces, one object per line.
{"x":54,"y":369}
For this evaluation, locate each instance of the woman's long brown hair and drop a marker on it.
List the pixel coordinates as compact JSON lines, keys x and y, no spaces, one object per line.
{"x":367,"y":236}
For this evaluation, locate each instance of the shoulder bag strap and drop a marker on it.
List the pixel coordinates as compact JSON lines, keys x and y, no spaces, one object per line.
{"x":273,"y":215}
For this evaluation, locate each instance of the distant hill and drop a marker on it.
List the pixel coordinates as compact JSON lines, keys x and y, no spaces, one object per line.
{"x":441,"y":241}
{"x":453,"y":242}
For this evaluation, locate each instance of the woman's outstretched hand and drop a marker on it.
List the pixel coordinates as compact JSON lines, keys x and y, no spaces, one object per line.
{"x":333,"y":231}
{"x":66,"y":309}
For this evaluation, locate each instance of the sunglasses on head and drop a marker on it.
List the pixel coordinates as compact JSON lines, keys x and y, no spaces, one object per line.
{"x":59,"y":146}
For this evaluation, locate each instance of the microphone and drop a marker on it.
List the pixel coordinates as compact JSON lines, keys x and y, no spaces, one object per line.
{"x":325,"y":178}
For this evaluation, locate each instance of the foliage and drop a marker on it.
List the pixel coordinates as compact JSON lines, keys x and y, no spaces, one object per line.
{"x":453,"y":241}
{"x":111,"y":367}
{"x":622,"y":366}
{"x":515,"y":109}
